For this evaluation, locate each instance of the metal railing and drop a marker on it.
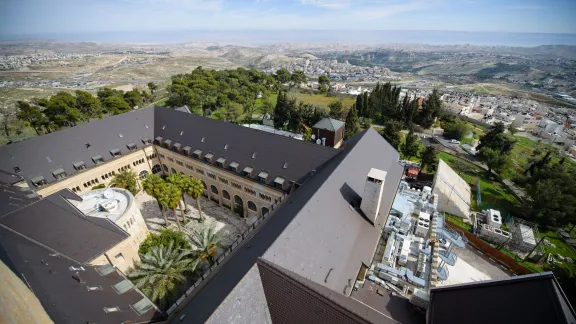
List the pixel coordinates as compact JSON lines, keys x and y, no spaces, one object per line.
{"x":223,"y":256}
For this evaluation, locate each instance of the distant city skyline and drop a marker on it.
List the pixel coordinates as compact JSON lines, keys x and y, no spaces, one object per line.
{"x":33,"y":17}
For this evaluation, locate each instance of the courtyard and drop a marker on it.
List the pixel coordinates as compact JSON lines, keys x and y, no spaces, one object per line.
{"x":225,"y":222}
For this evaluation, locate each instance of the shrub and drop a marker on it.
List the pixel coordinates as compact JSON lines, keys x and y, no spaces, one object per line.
{"x":100,"y":186}
{"x":164,"y":239}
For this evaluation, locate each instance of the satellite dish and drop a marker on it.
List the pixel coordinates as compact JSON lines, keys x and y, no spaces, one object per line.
{"x":313,"y":136}
{"x":318,"y":141}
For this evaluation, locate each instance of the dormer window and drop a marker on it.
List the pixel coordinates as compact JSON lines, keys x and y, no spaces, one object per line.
{"x":38,"y":181}
{"x":17,"y":170}
{"x":98,"y":159}
{"x":131,"y":146}
{"x":208,"y":157}
{"x":59,"y":174}
{"x":279,"y":182}
{"x":115,"y":152}
{"x":234,"y":166}
{"x":168,"y":143}
{"x":248,"y":171}
{"x":177,"y":147}
{"x":79,"y":165}
{"x":198,"y":154}
{"x":221,"y":162}
{"x":159,"y":140}
{"x":146,"y":140}
{"x":263,"y":177}
{"x":187,"y":150}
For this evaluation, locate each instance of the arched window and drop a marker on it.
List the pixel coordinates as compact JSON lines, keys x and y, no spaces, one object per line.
{"x":238,"y":206}
{"x":165,"y":167}
{"x":143,"y":174}
{"x":225,"y":194}
{"x":214,"y":189}
{"x":264,"y":211}
{"x":157,"y":168}
{"x":173,"y":170}
{"x":252,"y":206}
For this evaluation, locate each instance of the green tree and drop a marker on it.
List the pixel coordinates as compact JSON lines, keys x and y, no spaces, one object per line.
{"x":391,"y":132}
{"x":194,"y":188}
{"x":180,"y":181}
{"x":411,"y":146}
{"x":429,"y":158}
{"x":161,"y":270}
{"x":336,"y":109}
{"x":32,"y":115}
{"x":493,"y":159}
{"x":432,"y":109}
{"x":229,"y":112}
{"x":512,"y":129}
{"x":152,"y":86}
{"x":116,"y":105}
{"x":283,"y":76}
{"x":352,"y":126}
{"x":308,"y":134}
{"x":126,"y":179}
{"x":169,"y":196}
{"x":88,"y":104}
{"x":323,"y":83}
{"x":133,"y":97}
{"x":152,"y":185}
{"x":267,"y":107}
{"x":281,"y":111}
{"x":164,"y":238}
{"x":297,"y":78}
{"x":206,"y":241}
{"x":456,"y":129}
{"x":61,"y":110}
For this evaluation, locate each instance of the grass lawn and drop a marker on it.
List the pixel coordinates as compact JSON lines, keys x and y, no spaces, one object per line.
{"x":494,"y":195}
{"x":458,"y":222}
{"x":524,"y":149}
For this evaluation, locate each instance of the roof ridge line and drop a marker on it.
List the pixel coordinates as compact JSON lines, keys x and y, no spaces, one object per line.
{"x":252,"y":129}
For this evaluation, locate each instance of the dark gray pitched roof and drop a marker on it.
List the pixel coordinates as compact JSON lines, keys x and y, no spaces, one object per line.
{"x":40,"y":156}
{"x":307,"y":208}
{"x":292,"y":298}
{"x":535,"y":298}
{"x":329,"y":124}
{"x":64,"y":298}
{"x":59,"y":226}
{"x":342,"y":238}
{"x":272,"y":151}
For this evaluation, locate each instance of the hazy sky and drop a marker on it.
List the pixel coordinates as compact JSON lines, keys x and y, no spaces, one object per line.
{"x":77,"y":16}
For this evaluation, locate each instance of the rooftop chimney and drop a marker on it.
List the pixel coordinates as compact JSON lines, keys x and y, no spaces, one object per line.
{"x":372,"y":195}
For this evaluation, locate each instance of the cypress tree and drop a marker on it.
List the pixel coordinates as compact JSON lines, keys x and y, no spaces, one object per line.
{"x":359,"y":105}
{"x":352,"y":125}
{"x":365,"y":110}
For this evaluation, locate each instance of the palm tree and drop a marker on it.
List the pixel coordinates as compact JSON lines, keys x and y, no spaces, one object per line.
{"x":159,"y":271}
{"x":169,"y":195}
{"x":206,"y":241}
{"x":150,"y":184}
{"x":126,"y":180}
{"x":181,"y":181}
{"x":194,"y":188}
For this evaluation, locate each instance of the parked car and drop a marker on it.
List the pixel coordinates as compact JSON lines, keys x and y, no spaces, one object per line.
{"x":454,"y":141}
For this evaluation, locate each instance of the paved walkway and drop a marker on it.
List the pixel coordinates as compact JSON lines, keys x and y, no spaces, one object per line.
{"x":226,"y":223}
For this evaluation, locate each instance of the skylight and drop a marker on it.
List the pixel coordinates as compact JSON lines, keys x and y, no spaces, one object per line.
{"x":254,"y":155}
{"x":48,"y":159}
{"x":120,"y":135}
